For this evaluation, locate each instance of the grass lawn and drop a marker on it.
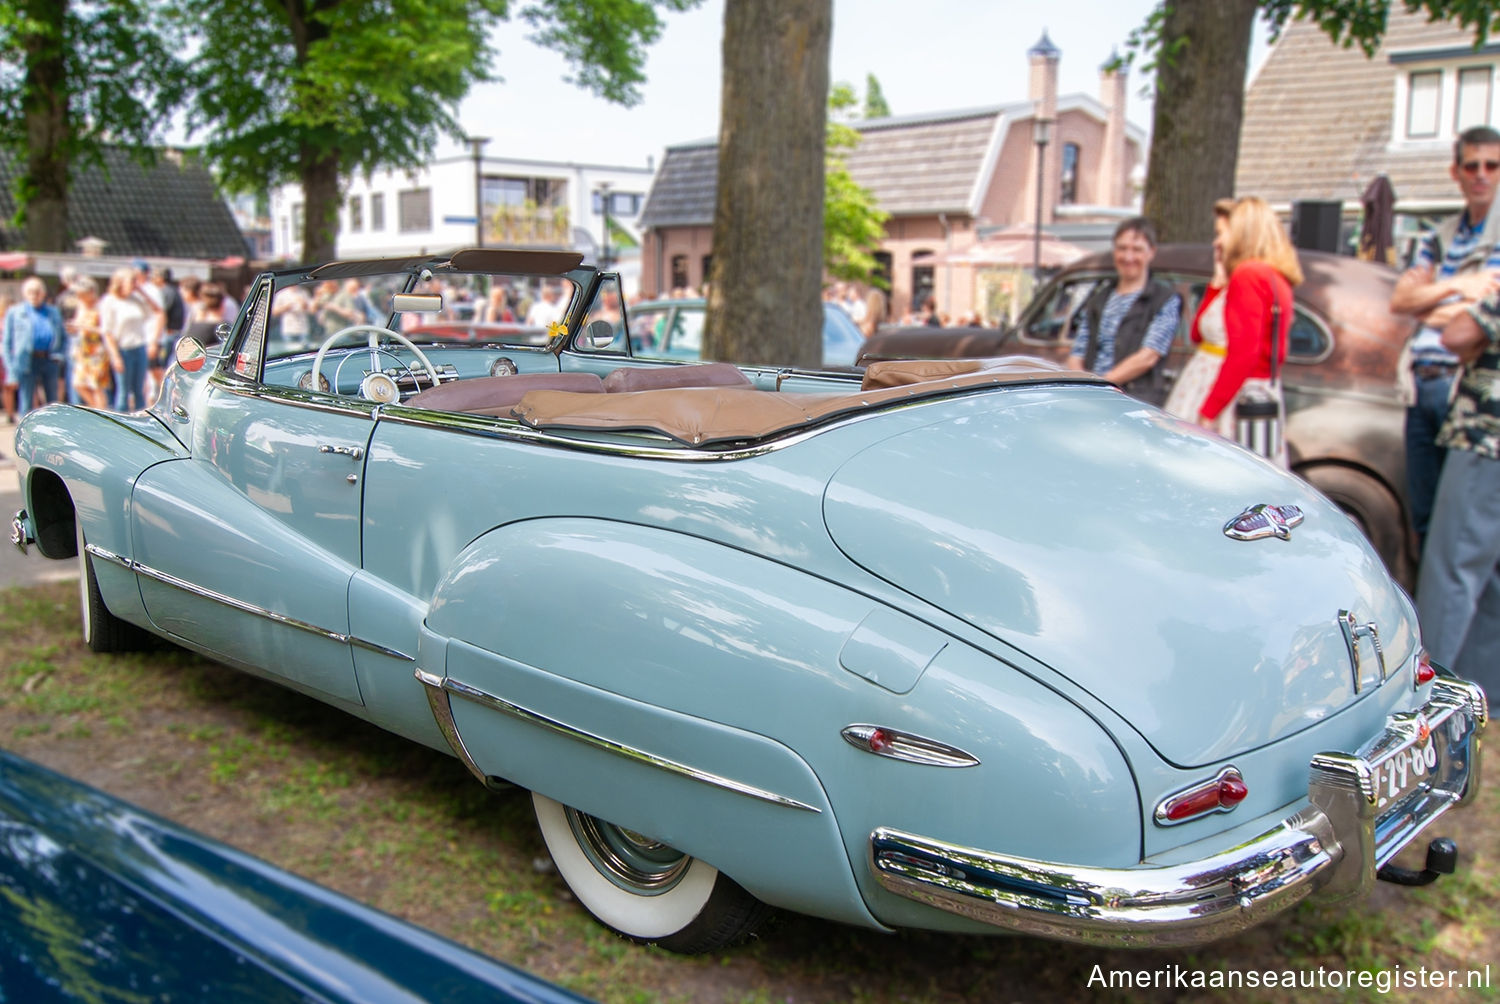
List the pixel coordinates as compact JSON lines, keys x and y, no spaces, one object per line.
{"x":407,"y":830}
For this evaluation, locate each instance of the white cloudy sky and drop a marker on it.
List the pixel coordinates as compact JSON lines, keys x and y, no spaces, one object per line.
{"x":929,"y":55}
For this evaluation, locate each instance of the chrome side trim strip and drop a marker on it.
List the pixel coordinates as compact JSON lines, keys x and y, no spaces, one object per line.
{"x":229,"y":601}
{"x":294,"y":397}
{"x":464,"y":690}
{"x":442,"y":713}
{"x":512,"y":429}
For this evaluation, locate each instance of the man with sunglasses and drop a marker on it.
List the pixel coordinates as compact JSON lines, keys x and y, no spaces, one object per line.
{"x":1455,"y":266}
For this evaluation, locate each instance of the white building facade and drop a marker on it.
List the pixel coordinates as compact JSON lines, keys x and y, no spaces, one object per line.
{"x":525,"y":203}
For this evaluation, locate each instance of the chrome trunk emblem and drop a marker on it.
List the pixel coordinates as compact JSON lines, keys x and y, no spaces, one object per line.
{"x":1263,"y":520}
{"x":1353,"y":632}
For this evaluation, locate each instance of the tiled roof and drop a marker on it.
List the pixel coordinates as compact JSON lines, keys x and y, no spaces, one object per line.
{"x":912,"y":164}
{"x":171,"y":210}
{"x":927,"y":165}
{"x":1318,"y":118}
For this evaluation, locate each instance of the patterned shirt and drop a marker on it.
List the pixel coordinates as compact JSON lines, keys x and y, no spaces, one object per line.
{"x":1159,"y":334}
{"x":1427,"y":344}
{"x":1474,"y":417}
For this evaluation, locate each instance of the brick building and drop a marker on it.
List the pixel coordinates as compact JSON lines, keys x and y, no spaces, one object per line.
{"x":945,"y":177}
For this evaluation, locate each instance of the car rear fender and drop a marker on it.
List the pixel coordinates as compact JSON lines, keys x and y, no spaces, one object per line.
{"x":76,"y":464}
{"x":699,"y":694}
{"x":612,"y":668}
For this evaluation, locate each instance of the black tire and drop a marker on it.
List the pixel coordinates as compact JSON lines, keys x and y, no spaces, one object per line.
{"x":1375,"y":509}
{"x":643,"y":889}
{"x":102,"y":630}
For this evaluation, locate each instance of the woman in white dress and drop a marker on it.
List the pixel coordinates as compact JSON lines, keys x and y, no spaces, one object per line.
{"x":1209,"y":334}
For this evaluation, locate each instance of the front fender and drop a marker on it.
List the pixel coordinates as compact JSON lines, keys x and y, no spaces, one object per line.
{"x":78,"y":464}
{"x":577,"y":653}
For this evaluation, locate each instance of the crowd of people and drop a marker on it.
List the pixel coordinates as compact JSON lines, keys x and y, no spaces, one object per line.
{"x":102,"y":348}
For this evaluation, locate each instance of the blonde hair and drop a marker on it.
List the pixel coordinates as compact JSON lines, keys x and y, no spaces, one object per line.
{"x":121,"y":282}
{"x":1255,"y":234}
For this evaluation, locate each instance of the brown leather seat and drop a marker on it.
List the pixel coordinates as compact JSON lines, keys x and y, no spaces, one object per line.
{"x":631,"y":378}
{"x":497,"y":395}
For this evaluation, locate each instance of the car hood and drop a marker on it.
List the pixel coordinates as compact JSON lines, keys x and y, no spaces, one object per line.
{"x":1087,"y":530}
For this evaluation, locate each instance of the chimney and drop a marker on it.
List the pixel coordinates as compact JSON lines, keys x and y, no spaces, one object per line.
{"x":1043,"y":93}
{"x":1114,"y":184}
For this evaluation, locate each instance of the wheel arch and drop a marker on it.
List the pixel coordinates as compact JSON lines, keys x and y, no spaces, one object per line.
{"x":53,"y":517}
{"x":1376,"y":505}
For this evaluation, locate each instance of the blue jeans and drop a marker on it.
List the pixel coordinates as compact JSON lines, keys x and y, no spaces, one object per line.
{"x":44,"y":374}
{"x":1424,"y":458}
{"x":130,"y":387}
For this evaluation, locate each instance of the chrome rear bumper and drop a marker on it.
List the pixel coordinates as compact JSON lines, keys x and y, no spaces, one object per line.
{"x":1335,"y":843}
{"x":20,"y":535}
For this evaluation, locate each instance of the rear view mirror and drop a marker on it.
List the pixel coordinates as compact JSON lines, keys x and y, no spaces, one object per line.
{"x":419,"y":303}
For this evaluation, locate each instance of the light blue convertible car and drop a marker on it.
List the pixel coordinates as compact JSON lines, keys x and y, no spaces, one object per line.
{"x":969,"y":645}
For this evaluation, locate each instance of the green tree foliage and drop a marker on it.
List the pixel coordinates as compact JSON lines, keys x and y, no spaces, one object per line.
{"x":853,"y":225}
{"x":1190,"y":124}
{"x":315,"y":90}
{"x":76,"y":75}
{"x":875,"y":103}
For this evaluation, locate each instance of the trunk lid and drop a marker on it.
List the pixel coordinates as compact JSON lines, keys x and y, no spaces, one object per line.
{"x":1087,"y":530}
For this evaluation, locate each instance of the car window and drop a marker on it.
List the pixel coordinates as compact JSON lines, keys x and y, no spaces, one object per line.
{"x":1056,"y":319}
{"x":245,"y":360}
{"x":1310,"y":341}
{"x":604,"y":314}
{"x":685,"y":338}
{"x":647,"y":325}
{"x":841,"y":337}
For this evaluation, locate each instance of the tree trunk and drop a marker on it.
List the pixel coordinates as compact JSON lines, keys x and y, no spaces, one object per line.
{"x":44,"y":102}
{"x":320,"y":204}
{"x":318,"y":165}
{"x":1200,"y":100}
{"x":764,"y":305}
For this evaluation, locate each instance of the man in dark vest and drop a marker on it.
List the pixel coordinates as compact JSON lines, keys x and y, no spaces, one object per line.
{"x":1126,"y":327}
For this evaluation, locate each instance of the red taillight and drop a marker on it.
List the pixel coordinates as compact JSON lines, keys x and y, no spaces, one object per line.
{"x":878,"y":741}
{"x":1425,"y":673}
{"x":1220,"y":794}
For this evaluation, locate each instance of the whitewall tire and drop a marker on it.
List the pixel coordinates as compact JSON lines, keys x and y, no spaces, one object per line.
{"x":643,"y":889}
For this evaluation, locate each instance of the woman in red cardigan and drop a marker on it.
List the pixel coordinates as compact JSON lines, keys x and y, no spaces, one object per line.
{"x":1262,"y":267}
{"x":1207,"y":332}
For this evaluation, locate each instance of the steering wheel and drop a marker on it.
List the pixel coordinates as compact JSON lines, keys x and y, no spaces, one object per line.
{"x":374,"y":331}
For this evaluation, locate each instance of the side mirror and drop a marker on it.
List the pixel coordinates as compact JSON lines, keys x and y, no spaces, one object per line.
{"x":599,"y":334}
{"x":191,"y":354}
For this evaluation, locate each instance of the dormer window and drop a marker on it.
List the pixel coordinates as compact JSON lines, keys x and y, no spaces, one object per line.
{"x":1442,"y":92}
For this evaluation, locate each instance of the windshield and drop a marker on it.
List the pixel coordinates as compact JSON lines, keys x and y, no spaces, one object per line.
{"x":305,"y":311}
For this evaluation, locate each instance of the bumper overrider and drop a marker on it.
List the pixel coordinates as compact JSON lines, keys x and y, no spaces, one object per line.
{"x":1335,"y":844}
{"x":20,"y":532}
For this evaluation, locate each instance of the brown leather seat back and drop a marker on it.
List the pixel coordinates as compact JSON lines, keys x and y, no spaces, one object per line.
{"x":497,"y":395}
{"x":631,"y":378}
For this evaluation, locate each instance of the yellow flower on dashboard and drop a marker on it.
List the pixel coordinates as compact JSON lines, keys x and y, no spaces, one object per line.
{"x":556,"y":328}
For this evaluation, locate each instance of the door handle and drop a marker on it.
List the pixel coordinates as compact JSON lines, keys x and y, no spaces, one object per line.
{"x":352,"y":452}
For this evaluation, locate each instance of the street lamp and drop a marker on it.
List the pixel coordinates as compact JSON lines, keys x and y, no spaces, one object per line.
{"x":476,"y":144}
{"x":603,"y":191}
{"x":1041,"y":135}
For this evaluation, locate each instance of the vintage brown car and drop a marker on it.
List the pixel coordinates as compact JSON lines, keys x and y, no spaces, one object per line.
{"x":1344,"y":422}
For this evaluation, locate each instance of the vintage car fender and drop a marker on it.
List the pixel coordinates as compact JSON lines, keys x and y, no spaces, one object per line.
{"x":83,"y":465}
{"x":715,"y":721}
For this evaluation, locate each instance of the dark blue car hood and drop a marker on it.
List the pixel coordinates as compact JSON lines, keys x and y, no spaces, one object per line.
{"x":100,"y":901}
